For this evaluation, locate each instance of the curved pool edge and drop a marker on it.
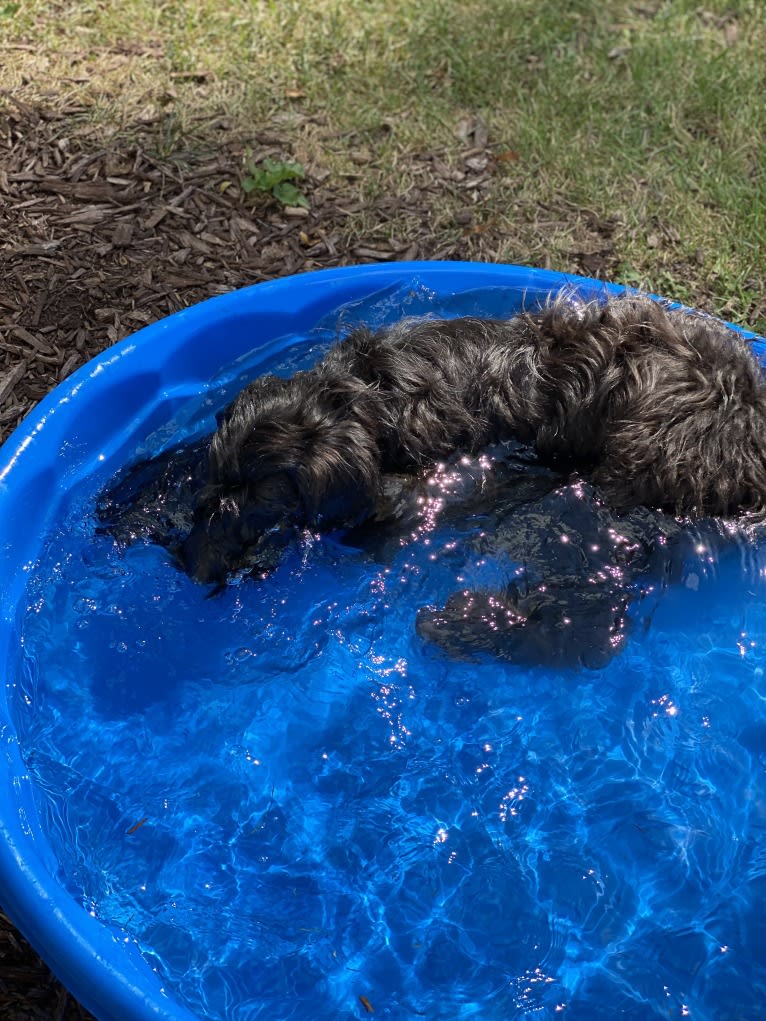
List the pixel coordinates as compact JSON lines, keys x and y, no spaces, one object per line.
{"x":323,"y":290}
{"x":60,"y":929}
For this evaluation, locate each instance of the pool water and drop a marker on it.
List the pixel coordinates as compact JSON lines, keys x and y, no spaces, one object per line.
{"x":297,"y":808}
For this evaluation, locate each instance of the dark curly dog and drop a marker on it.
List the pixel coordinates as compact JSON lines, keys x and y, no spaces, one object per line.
{"x":655,"y":408}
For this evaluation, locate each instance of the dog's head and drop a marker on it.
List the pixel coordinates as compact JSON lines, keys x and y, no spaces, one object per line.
{"x":287,"y":454}
{"x":231,"y":533}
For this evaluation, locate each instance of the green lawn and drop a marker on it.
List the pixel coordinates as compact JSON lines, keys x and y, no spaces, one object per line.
{"x":639,"y":124}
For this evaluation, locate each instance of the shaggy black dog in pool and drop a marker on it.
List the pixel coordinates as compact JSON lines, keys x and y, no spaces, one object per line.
{"x":655,"y":408}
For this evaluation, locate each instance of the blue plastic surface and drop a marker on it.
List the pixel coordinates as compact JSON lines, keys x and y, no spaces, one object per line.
{"x":96,"y":419}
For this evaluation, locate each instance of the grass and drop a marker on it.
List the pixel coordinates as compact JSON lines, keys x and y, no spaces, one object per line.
{"x":641,"y":121}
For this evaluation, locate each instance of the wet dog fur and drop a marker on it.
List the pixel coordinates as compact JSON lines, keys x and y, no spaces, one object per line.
{"x":655,"y":408}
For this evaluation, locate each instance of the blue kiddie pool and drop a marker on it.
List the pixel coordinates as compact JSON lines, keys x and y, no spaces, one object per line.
{"x":278,"y":803}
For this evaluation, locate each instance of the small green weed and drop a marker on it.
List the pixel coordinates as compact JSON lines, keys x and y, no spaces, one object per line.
{"x":275,"y":178}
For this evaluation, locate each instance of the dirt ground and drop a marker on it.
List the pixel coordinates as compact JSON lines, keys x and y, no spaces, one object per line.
{"x":98,"y":240}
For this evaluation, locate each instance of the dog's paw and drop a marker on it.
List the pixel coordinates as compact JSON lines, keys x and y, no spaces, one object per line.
{"x":551,"y":627}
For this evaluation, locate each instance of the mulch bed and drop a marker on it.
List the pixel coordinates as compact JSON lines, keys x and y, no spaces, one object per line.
{"x":98,"y":240}
{"x":28,"y":991}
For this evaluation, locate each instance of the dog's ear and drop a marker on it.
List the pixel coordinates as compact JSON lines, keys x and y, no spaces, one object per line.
{"x":253,"y":409}
{"x":338,"y":474}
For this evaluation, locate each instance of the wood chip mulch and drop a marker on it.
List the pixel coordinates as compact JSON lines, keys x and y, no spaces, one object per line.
{"x":98,"y":240}
{"x":28,"y":990}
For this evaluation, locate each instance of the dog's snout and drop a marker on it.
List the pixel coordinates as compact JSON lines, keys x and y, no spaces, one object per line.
{"x":202,"y":557}
{"x":220,"y":546}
